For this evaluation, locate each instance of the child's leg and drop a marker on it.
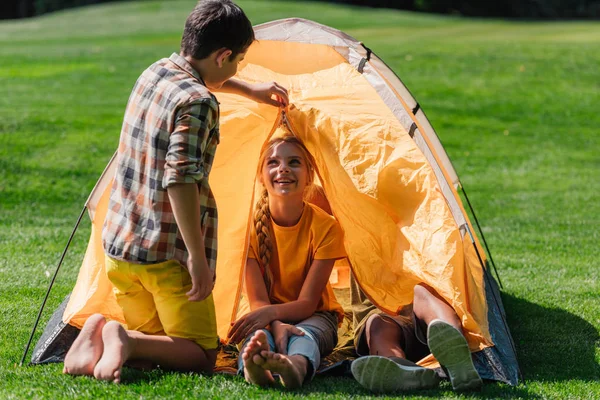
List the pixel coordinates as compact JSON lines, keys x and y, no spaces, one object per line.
{"x":384,"y":337}
{"x":169,"y":352}
{"x":445,"y":338}
{"x":429,"y":305}
{"x":292,"y":369}
{"x":164,"y":326}
{"x":86,"y":350}
{"x":304,"y":352}
{"x":391,"y":343}
{"x":251,"y":361}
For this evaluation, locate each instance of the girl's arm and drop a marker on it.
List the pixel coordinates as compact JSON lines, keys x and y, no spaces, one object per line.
{"x":258,"y":298}
{"x":294,"y":311}
{"x":255,"y":286}
{"x":310,"y":294}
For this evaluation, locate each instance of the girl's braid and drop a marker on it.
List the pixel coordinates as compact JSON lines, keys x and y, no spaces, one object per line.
{"x":262,"y":224}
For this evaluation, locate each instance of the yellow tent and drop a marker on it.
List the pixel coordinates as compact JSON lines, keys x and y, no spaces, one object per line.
{"x":386,"y":175}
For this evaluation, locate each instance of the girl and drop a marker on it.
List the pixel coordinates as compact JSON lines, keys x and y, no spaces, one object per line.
{"x":294,"y":314}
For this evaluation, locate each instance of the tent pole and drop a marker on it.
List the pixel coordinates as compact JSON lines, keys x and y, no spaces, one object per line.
{"x":51,"y":284}
{"x":512,"y":343}
{"x":482,"y":236}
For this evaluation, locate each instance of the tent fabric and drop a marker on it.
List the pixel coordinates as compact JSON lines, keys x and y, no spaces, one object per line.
{"x":388,"y":180}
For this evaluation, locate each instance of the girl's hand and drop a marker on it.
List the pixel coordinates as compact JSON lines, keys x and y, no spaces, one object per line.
{"x":264,"y":93}
{"x":249,"y":323}
{"x":281,"y":333}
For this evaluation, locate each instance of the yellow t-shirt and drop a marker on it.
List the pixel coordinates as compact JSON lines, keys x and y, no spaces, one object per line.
{"x":316,"y":236}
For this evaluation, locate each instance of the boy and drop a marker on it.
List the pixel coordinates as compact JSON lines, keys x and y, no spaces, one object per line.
{"x":160,"y":235}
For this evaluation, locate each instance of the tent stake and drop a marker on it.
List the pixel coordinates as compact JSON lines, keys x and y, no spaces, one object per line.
{"x":51,"y":284}
{"x":482,"y":236}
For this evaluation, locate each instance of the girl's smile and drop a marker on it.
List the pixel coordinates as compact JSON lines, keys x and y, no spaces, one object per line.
{"x":285,"y":171}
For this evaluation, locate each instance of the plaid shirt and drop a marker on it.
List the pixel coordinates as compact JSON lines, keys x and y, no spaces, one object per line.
{"x":170,"y":134}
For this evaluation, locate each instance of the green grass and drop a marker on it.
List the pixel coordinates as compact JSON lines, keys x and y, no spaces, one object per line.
{"x":515,"y":104}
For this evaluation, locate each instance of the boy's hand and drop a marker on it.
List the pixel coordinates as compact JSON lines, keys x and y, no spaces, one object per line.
{"x":270,"y":93}
{"x":281,"y":333}
{"x":202,"y":280}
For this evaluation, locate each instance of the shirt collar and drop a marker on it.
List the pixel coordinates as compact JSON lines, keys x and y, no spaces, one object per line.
{"x":182,"y":63}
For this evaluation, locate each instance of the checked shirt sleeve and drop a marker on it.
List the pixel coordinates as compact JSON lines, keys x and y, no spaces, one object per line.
{"x":184,"y":162}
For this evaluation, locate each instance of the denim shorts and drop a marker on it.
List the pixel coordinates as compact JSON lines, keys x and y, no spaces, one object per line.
{"x":320,"y":338}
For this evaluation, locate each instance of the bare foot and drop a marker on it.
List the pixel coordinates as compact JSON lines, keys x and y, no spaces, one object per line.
{"x":291,"y":369}
{"x":87,"y":349}
{"x":117,"y":349}
{"x":253,"y":370}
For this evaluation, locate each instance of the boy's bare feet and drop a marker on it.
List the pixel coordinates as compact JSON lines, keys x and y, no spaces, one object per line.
{"x":253,"y":369}
{"x":117,"y":349}
{"x":291,"y":369}
{"x":86,"y":350}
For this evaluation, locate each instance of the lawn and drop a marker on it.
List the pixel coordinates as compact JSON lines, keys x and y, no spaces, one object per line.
{"x":514,"y":103}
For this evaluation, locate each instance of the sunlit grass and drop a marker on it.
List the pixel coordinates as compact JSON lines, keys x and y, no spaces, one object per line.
{"x":514,"y":103}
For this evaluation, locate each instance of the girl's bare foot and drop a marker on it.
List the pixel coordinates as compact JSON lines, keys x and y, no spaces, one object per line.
{"x":86,"y":350}
{"x":117,"y":349}
{"x":291,"y":369}
{"x":253,"y":370}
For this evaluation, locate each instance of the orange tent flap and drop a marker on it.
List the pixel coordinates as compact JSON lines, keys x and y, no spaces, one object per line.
{"x":244,"y":128}
{"x":93,"y":291}
{"x":392,"y":246}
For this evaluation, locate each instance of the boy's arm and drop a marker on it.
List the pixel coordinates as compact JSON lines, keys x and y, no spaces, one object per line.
{"x":183,"y":170}
{"x":185,"y":202}
{"x":259,"y":92}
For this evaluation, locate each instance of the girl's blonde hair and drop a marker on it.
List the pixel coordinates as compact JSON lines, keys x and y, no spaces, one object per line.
{"x":262,"y":214}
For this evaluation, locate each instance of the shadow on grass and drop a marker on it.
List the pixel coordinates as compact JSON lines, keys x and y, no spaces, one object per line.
{"x":132,"y":375}
{"x":324,"y":386}
{"x":346,"y":387}
{"x":552,"y":344}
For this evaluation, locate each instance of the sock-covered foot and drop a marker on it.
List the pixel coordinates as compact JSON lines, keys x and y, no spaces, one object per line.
{"x":117,"y":349}
{"x":450,"y":348}
{"x":291,"y":369}
{"x":389,"y":375}
{"x":253,"y":369}
{"x":86,"y":350}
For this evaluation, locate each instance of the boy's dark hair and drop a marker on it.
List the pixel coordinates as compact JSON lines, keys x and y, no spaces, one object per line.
{"x":214,"y":24}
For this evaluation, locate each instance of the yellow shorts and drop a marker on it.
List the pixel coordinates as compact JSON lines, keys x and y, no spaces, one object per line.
{"x":153,"y":300}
